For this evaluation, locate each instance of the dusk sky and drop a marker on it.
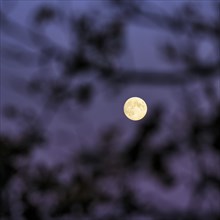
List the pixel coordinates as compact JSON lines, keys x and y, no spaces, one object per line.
{"x":78,"y":126}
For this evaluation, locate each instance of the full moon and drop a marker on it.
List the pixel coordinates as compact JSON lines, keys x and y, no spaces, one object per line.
{"x":135,"y":108}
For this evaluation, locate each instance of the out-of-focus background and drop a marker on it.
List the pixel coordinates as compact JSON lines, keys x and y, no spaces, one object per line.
{"x":67,"y":152}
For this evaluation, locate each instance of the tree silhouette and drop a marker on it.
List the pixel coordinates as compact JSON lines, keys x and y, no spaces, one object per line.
{"x":103,"y":181}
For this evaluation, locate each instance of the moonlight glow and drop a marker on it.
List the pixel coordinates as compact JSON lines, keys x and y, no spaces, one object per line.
{"x":135,"y":108}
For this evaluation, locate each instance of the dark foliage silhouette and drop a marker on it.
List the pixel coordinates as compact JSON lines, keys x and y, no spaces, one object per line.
{"x":101,"y":180}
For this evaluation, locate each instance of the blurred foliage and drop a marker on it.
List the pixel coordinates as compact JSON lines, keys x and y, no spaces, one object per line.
{"x":99,"y":183}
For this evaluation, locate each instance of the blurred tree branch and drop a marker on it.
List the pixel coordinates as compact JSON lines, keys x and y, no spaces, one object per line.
{"x":121,"y":76}
{"x":97,"y":47}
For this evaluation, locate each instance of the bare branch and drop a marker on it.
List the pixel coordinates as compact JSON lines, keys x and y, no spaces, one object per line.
{"x":160,"y":78}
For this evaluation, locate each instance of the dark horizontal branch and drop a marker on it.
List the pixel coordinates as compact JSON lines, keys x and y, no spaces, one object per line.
{"x":160,"y":78}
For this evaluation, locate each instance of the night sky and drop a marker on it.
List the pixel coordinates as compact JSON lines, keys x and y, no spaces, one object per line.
{"x":74,"y":127}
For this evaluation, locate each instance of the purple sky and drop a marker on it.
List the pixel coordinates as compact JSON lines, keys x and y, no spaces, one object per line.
{"x":105,"y":110}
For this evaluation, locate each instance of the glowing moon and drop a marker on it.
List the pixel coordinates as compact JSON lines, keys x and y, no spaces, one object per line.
{"x":135,"y":108}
